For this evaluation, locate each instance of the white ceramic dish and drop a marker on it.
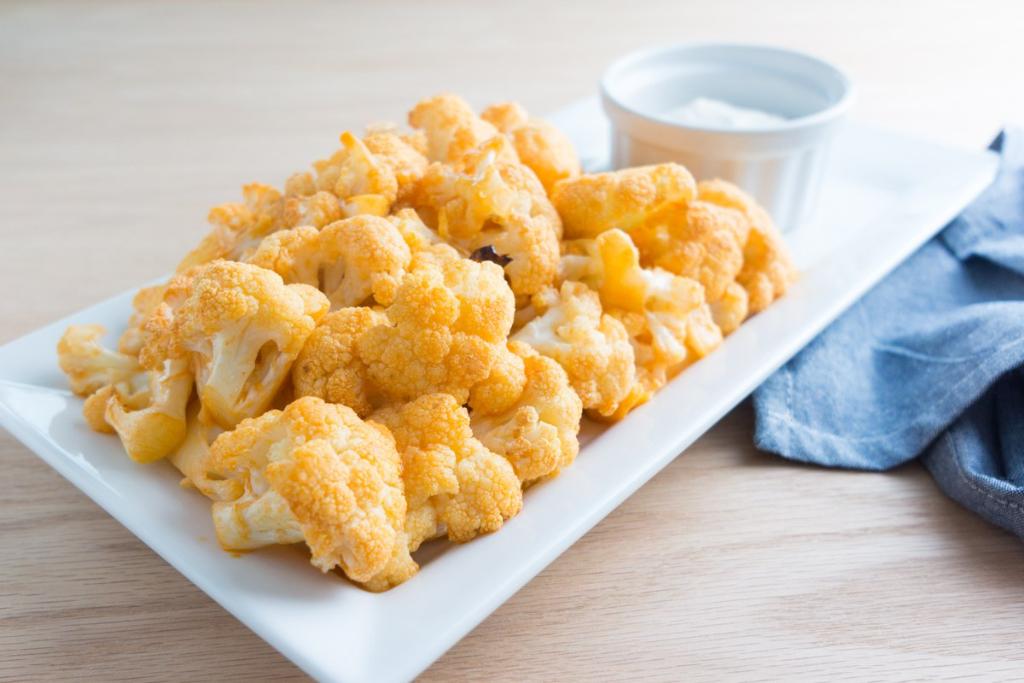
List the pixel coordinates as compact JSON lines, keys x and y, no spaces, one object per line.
{"x":885,"y":195}
{"x":780,"y":163}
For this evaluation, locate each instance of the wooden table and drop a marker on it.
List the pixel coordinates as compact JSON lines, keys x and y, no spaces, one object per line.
{"x":120,"y":124}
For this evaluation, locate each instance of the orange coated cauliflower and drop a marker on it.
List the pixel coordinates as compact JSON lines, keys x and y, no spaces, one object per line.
{"x":242,"y":328}
{"x":665,"y":315}
{"x":537,"y":433}
{"x":328,"y":366}
{"x":315,"y":472}
{"x":363,"y":182}
{"x":446,"y":326}
{"x":487,"y":204}
{"x":454,"y":485}
{"x":539,"y":145}
{"x":239,"y":227}
{"x":450,"y":125}
{"x":702,"y":241}
{"x":590,"y":204}
{"x":592,"y":346}
{"x":403,"y":154}
{"x":142,"y":399}
{"x":350,"y":260}
{"x":767,"y":270}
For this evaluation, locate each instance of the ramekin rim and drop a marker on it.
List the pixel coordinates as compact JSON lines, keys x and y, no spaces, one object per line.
{"x":829,"y":113}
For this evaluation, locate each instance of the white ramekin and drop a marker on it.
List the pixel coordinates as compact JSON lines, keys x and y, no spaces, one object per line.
{"x":780,"y":164}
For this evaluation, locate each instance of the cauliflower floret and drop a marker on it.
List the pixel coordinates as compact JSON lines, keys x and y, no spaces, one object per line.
{"x":350,"y":260}
{"x":403,"y":154}
{"x":445,"y":328}
{"x":316,"y":209}
{"x":318,"y":473}
{"x":192,"y":456}
{"x":414,"y":231}
{"x":238,"y":228}
{"x":767,"y":270}
{"x":666,"y":316}
{"x":590,"y":345}
{"x":702,"y":241}
{"x":88,"y":364}
{"x":364,"y":183}
{"x":328,"y":366}
{"x":450,"y":125}
{"x":490,"y":205}
{"x":242,"y":328}
{"x":453,"y":483}
{"x":591,"y":204}
{"x":537,"y":433}
{"x":539,"y":145}
{"x":143,"y":303}
{"x":142,"y":399}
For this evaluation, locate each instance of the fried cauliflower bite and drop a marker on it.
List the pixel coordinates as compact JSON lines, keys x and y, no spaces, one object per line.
{"x":88,"y":364}
{"x":363,"y":182}
{"x":592,"y":203}
{"x":450,"y":126}
{"x":239,"y":227}
{"x":590,"y":345}
{"x":539,"y":145}
{"x":241,"y":328}
{"x":665,"y":315}
{"x":142,"y":399}
{"x":492,"y":206}
{"x":538,"y":432}
{"x":315,"y":472}
{"x":350,"y":260}
{"x":414,"y":231}
{"x":454,"y":485}
{"x":767,"y":270}
{"x":702,"y":241}
{"x":328,"y":366}
{"x":445,"y":328}
{"x":403,"y":154}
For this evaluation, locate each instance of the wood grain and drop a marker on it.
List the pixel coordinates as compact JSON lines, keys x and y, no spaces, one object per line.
{"x":120,"y":124}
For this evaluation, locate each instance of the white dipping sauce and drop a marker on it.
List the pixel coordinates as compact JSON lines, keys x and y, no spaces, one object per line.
{"x":704,"y":111}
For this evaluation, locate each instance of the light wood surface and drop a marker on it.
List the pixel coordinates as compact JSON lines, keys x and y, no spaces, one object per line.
{"x":121,"y":123}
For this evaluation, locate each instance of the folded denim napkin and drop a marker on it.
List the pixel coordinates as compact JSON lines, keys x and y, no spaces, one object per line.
{"x":928,"y":363}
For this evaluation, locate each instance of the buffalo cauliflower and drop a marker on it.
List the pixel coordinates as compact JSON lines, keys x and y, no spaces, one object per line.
{"x":445,"y":328}
{"x":142,"y":399}
{"x":539,"y":145}
{"x":590,"y":345}
{"x":350,"y":260}
{"x":666,"y":316}
{"x":403,"y":154}
{"x":328,"y":366}
{"x":239,"y":227}
{"x":450,"y":126}
{"x":702,"y":241}
{"x":537,"y":433}
{"x":318,"y":473}
{"x":454,"y":485}
{"x":242,"y":328}
{"x":487,"y":203}
{"x":767,"y":270}
{"x":591,"y":204}
{"x":363,"y":182}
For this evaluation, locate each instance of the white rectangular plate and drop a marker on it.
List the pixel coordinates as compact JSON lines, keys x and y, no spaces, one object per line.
{"x":884,"y":196}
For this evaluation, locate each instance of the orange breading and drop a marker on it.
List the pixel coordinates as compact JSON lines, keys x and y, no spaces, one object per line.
{"x":767,"y":270}
{"x":318,"y":473}
{"x":454,"y":485}
{"x":328,"y":366}
{"x":591,"y":204}
{"x":539,"y":145}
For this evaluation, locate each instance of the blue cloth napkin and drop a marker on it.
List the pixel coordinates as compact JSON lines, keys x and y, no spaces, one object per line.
{"x":928,"y":364}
